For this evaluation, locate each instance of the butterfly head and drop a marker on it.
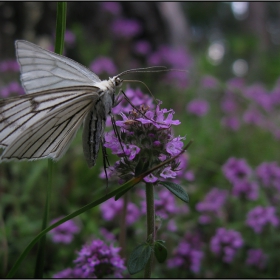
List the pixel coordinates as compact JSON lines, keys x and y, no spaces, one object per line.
{"x":117,"y":81}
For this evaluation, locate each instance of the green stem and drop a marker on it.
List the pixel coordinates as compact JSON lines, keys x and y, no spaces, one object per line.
{"x":150,"y":226}
{"x":59,"y":45}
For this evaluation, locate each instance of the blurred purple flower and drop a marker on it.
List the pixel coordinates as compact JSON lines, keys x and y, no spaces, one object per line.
{"x":126,"y":28}
{"x":96,"y":260}
{"x":110,"y":209}
{"x":9,"y":66}
{"x":188,"y":254}
{"x":235,"y":83}
{"x":225,"y":244}
{"x":229,"y":104}
{"x":176,"y":59}
{"x":236,"y":170}
{"x":269,"y":174}
{"x":258,"y":93}
{"x":253,"y":116}
{"x":198,"y":107}
{"x":142,"y":47}
{"x":107,"y":235}
{"x":261,"y":216}
{"x":257,"y":258}
{"x":171,"y":225}
{"x":231,"y":122}
{"x":13,"y":88}
{"x":65,"y":232}
{"x":113,"y":8}
{"x":211,"y":205}
{"x":209,"y":82}
{"x":103,"y":64}
{"x":250,"y":190}
{"x":69,"y":37}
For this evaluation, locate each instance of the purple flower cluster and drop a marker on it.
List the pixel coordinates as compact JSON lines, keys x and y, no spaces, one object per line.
{"x":65,"y":232}
{"x":188,"y":254}
{"x":209,"y":82}
{"x":260,"y":216}
{"x":113,"y":8}
{"x":211,"y":206}
{"x":257,"y":258}
{"x":269,"y":174}
{"x":225,"y":243}
{"x":147,"y":140}
{"x":176,"y":59}
{"x":111,"y":209}
{"x":126,"y":28}
{"x":198,"y":107}
{"x":13,"y":88}
{"x":95,"y":260}
{"x":236,"y":170}
{"x":102,"y":65}
{"x":9,"y":66}
{"x":142,"y":47}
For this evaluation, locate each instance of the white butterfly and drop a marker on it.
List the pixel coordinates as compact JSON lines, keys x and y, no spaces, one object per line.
{"x":61,"y":94}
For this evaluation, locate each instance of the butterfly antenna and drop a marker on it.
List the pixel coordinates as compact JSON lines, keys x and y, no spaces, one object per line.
{"x":141,"y":70}
{"x":137,"y":81}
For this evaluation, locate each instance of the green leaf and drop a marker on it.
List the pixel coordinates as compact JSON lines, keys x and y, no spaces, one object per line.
{"x":160,"y":251}
{"x":177,"y":190}
{"x":139,"y":258}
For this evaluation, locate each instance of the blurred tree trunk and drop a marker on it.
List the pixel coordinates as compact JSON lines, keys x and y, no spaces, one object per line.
{"x":176,"y":23}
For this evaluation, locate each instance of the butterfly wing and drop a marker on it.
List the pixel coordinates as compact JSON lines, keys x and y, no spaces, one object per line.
{"x":42,"y":125}
{"x":44,"y":70}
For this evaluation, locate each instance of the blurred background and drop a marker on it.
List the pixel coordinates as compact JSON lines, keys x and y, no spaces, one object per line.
{"x":227,"y":101}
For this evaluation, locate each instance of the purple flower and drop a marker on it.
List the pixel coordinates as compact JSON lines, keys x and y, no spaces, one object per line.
{"x":236,"y":170}
{"x":103,"y":64}
{"x":150,"y":178}
{"x":64,"y":233}
{"x":69,"y":37}
{"x":229,"y":104}
{"x":209,"y":82}
{"x":126,"y":28}
{"x":9,"y":66}
{"x":174,"y":147}
{"x":260,"y":96}
{"x":261,"y":216}
{"x":142,"y":47}
{"x":253,"y":116}
{"x":236,"y":84}
{"x":231,"y":122}
{"x":198,"y":107}
{"x":110,"y":209}
{"x":146,"y":139}
{"x":225,"y":244}
{"x":96,"y":260}
{"x":247,"y":189}
{"x":211,"y":205}
{"x":269,"y":174}
{"x":257,"y":258}
{"x":113,"y":8}
{"x":188,"y":254}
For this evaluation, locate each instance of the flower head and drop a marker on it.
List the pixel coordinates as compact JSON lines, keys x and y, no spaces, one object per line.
{"x":126,"y":28}
{"x":256,"y":258}
{"x":95,"y":260}
{"x":198,"y":107}
{"x":225,"y":244}
{"x":146,"y":138}
{"x":64,"y":233}
{"x":212,"y":205}
{"x":259,"y":217}
{"x":188,"y":254}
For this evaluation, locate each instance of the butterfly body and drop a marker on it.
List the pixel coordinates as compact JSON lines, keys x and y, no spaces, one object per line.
{"x":61,"y":94}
